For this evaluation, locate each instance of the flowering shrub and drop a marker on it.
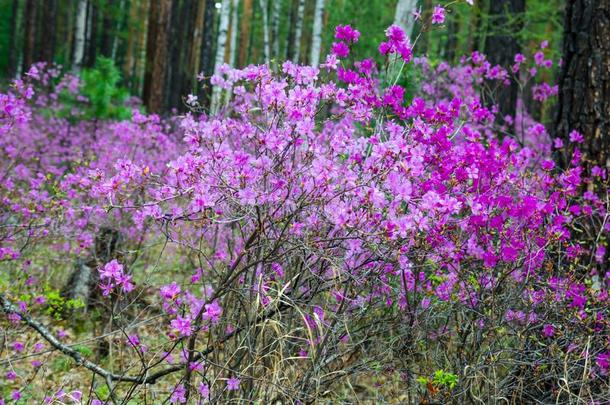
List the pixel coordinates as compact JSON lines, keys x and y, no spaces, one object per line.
{"x":317,"y":230}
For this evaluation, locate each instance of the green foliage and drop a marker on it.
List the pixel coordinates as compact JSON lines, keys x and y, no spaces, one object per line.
{"x":444,"y":379}
{"x":57,"y":305}
{"x":101,"y":87}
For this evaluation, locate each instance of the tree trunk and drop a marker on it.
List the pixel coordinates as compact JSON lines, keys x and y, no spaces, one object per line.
{"x":298,"y":32}
{"x":453,"y":29}
{"x":403,"y":16}
{"x":128,"y":67}
{"x":220,"y":50}
{"x":233,"y":42}
{"x":501,"y":45}
{"x":80,"y":32}
{"x":244,"y":33}
{"x":29,"y":42}
{"x":173,"y":74}
{"x":207,"y":52}
{"x":584,"y":83}
{"x":275,"y":28}
{"x":107,"y":29}
{"x":47,"y":47}
{"x":13,"y":48}
{"x":91,"y":47}
{"x":197,"y":37}
{"x":156,"y":55}
{"x":265,"y":13}
{"x":316,"y":37}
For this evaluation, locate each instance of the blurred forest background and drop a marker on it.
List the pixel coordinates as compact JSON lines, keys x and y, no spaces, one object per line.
{"x":155,"y":49}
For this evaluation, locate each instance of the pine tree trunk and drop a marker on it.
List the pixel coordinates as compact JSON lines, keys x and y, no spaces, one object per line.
{"x":140,"y":54}
{"x":128,"y":66}
{"x":29,"y":42}
{"x":244,"y":33}
{"x":91,"y":47}
{"x":298,"y":32}
{"x":47,"y":47}
{"x":584,"y":83}
{"x":501,"y":45}
{"x":156,"y":55}
{"x":221,"y":44}
{"x":107,"y":29}
{"x":453,"y":29}
{"x":207,"y":52}
{"x":172,"y":75}
{"x":80,"y":32}
{"x":316,"y":37}
{"x":13,"y":48}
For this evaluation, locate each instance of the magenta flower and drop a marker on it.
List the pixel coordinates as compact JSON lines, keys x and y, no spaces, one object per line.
{"x":340,"y":49}
{"x":438,"y":15}
{"x":233,"y":384}
{"x":548,"y":330}
{"x":346,"y":33}
{"x":182,"y":326}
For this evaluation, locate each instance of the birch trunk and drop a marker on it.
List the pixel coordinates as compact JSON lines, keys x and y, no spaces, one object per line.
{"x":275,"y":27}
{"x":80,"y":32}
{"x":221,"y":44}
{"x":265,"y":12}
{"x":233,"y":44}
{"x":298,"y":32}
{"x":403,"y":16}
{"x":316,"y":39}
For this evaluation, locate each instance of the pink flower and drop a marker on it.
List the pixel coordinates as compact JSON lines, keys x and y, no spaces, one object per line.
{"x":340,"y":49}
{"x":233,"y":384}
{"x":576,"y":137}
{"x":438,"y":15}
{"x":346,"y":33}
{"x":182,"y":326}
{"x":548,"y":330}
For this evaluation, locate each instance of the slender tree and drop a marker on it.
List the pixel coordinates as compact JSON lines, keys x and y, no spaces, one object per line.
{"x":29,"y":43}
{"x":91,"y":42}
{"x":80,"y":32}
{"x":156,"y":54}
{"x":298,"y":31}
{"x":275,"y":27}
{"x":403,"y":16}
{"x":502,"y":44}
{"x":233,"y":41}
{"x":47,"y":45}
{"x":207,"y":51}
{"x":108,"y":25}
{"x":221,"y":44}
{"x":584,"y":83}
{"x":316,"y":37}
{"x":13,"y":49}
{"x":244,"y":33}
{"x":265,"y":14}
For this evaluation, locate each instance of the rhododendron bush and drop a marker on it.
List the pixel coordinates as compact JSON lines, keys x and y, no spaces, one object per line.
{"x":317,"y":231}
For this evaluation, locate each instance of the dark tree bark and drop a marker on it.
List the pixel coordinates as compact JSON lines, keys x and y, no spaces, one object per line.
{"x":29,"y":42}
{"x":501,"y":45}
{"x":584,"y":83}
{"x":453,"y":29}
{"x":13,"y":49}
{"x":244,"y":33}
{"x":91,"y":45}
{"x":207,"y":52}
{"x":156,"y":55}
{"x":48,"y":25}
{"x":107,"y":29}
